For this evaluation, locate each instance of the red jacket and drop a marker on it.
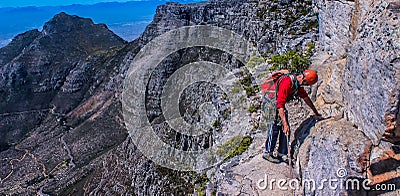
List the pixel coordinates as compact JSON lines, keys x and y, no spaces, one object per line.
{"x":285,"y":89}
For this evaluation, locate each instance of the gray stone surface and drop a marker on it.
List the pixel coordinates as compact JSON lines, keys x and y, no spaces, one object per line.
{"x":360,"y":89}
{"x":357,"y":59}
{"x":332,"y":146}
{"x":370,"y":74}
{"x":334,"y":26}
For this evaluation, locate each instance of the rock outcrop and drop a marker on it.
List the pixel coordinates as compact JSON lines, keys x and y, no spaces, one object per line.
{"x":358,"y":61}
{"x":65,"y":84}
{"x":276,"y":30}
{"x":371,"y":72}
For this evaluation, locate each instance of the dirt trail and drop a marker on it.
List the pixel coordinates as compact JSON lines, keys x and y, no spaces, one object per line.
{"x":71,"y":158}
{"x":33,"y":158}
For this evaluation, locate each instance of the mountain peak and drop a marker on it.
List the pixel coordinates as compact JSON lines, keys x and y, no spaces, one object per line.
{"x":64,"y":22}
{"x":77,"y":31}
{"x":49,"y":56}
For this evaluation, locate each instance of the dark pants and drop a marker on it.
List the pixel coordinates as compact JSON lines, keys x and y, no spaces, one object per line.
{"x":274,"y":132}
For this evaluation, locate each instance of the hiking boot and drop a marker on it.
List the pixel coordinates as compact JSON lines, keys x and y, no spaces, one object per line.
{"x":270,"y":158}
{"x":284,"y":159}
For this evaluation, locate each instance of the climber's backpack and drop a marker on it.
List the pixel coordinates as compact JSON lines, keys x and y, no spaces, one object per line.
{"x":270,"y":88}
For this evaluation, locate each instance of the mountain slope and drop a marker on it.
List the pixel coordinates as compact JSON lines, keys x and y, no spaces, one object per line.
{"x":78,"y":143}
{"x":47,"y":70}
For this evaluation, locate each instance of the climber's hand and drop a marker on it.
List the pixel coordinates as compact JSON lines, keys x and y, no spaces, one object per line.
{"x":318,"y":117}
{"x":286,"y":129}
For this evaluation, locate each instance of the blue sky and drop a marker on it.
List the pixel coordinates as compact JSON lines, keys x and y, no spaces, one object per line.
{"x":127,"y":20}
{"x":24,"y":3}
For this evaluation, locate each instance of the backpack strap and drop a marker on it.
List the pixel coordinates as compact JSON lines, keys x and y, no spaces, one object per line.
{"x":294,"y":84}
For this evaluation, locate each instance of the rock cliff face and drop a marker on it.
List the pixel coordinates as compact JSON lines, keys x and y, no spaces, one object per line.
{"x":73,"y":72}
{"x":74,"y":141}
{"x":252,"y":20}
{"x":52,"y":82}
{"x":275,"y":26}
{"x":358,"y":59}
{"x":371,"y":71}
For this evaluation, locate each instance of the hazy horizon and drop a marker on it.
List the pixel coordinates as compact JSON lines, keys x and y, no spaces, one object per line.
{"x":41,"y":3}
{"x":127,"y":19}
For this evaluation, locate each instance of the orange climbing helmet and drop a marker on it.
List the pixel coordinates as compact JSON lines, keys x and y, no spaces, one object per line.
{"x":311,"y":76}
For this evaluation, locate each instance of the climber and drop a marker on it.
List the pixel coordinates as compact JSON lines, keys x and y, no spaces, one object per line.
{"x":288,"y":86}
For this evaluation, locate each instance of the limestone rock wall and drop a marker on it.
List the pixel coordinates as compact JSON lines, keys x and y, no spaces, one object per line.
{"x":359,"y":63}
{"x":334,"y":24}
{"x":273,"y":26}
{"x":371,"y":82}
{"x":357,"y":58}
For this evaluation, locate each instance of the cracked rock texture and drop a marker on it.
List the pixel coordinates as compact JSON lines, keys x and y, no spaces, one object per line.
{"x":75,"y":141}
{"x":371,"y":71}
{"x":62,"y":119}
{"x":359,"y":90}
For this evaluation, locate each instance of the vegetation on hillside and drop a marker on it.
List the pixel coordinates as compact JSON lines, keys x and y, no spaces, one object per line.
{"x":292,"y":60}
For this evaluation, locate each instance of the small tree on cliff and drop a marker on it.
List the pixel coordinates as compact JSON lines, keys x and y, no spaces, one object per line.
{"x":292,"y":60}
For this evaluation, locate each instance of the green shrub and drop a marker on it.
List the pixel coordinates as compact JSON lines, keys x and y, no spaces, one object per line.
{"x":261,"y":13}
{"x":201,"y":191}
{"x":223,"y":96}
{"x":273,"y":8}
{"x":262,"y":75}
{"x":217,"y":125}
{"x":235,"y":146}
{"x":310,"y":49}
{"x":250,"y":91}
{"x":236,"y":89}
{"x":252,"y":109}
{"x":291,"y":60}
{"x":246,"y":80}
{"x":310,"y":25}
{"x":201,"y":181}
{"x":255,"y":61}
{"x":225,"y":114}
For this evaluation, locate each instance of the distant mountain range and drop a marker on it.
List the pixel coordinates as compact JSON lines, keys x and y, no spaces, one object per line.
{"x":128,"y":20}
